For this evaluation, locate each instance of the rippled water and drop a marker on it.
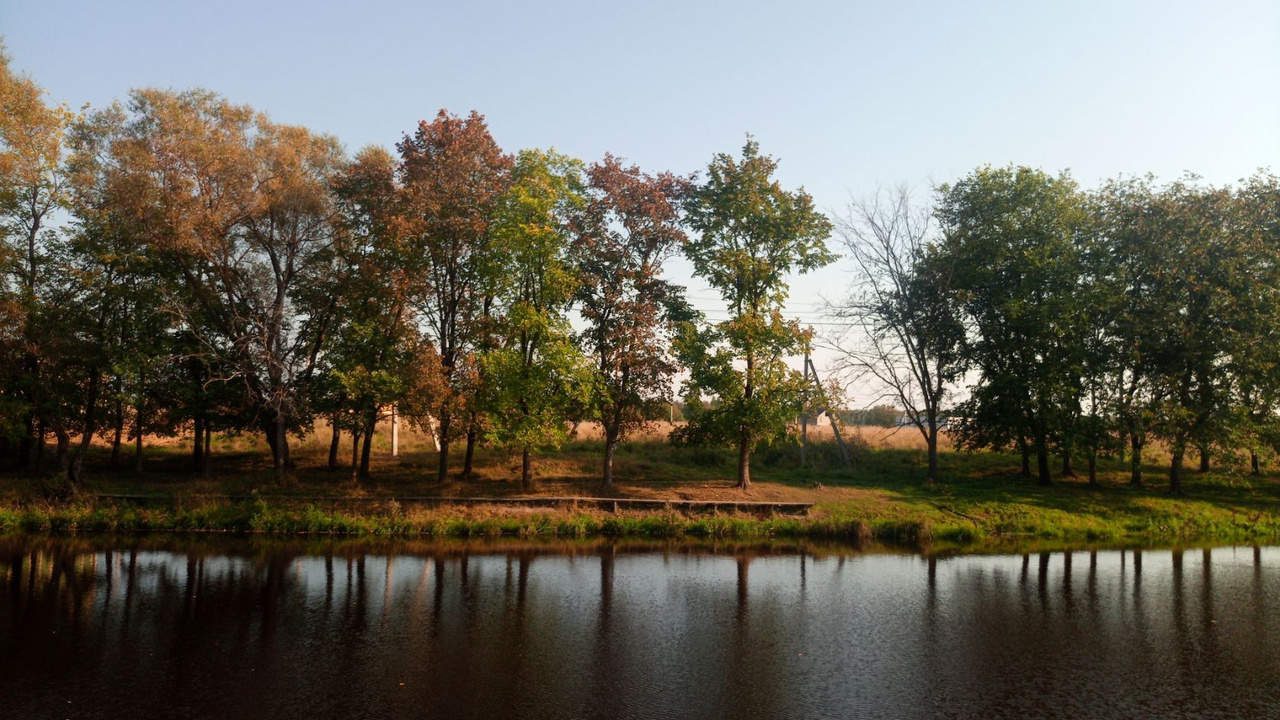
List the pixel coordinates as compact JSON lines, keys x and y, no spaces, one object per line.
{"x":283,"y":630}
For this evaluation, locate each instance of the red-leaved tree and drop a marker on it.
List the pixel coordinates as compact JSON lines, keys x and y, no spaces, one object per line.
{"x":629,"y":227}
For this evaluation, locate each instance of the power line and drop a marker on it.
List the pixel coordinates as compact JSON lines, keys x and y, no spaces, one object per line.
{"x":803,"y":322}
{"x":814,"y":306}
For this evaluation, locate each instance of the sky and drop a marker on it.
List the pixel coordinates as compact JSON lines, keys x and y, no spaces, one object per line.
{"x":849,"y":96}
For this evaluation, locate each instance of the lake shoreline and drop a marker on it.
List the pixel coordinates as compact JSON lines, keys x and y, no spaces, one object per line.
{"x":912,"y":524}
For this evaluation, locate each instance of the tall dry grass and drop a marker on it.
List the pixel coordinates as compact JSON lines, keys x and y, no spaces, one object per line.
{"x":416,"y":440}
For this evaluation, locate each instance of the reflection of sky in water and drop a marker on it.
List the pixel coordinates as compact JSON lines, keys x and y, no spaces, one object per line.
{"x":680,"y":634}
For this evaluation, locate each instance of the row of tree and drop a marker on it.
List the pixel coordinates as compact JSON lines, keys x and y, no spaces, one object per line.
{"x":1065,"y":323}
{"x":179,"y":262}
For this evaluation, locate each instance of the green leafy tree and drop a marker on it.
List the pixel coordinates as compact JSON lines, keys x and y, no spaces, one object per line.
{"x":1184,"y":288}
{"x":750,"y":235}
{"x":879,"y":416}
{"x":536,"y":373}
{"x":1131,"y":263}
{"x":1011,"y":237}
{"x":1256,"y":357}
{"x":1095,"y":428}
{"x":1200,"y":328}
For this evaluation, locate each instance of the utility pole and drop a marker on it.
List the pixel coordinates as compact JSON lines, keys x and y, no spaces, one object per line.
{"x":804,"y":415}
{"x":835,"y":427}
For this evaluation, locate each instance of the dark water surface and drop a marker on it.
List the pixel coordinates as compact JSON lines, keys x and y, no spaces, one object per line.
{"x":166,"y":628}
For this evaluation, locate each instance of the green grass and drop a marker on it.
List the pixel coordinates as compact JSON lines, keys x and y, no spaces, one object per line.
{"x":980,"y":503}
{"x":987,"y":500}
{"x":938,"y":516}
{"x":309,"y":519}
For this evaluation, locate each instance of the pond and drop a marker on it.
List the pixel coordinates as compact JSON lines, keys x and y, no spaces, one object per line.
{"x":182,"y":628}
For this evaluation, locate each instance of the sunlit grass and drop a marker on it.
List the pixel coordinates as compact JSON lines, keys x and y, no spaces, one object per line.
{"x":981,"y":500}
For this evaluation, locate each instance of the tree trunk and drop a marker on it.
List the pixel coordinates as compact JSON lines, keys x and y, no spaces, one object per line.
{"x":468,"y":458}
{"x":119,"y":434}
{"x":62,"y":455}
{"x":744,"y":446}
{"x":370,"y":422}
{"x":1042,"y":462}
{"x":268,"y":427}
{"x":1204,"y":458}
{"x":526,"y":470}
{"x":1135,"y":460}
{"x":355,"y":454}
{"x":1067,"y":469}
{"x":207,"y":460}
{"x":333,"y":443}
{"x":744,"y":463}
{"x":199,"y":422}
{"x":1175,"y":469}
{"x":1025,"y":450}
{"x":610,"y":445}
{"x":86,"y":437}
{"x":932,"y":442}
{"x":137,"y":444}
{"x":1253,"y":464}
{"x":282,"y":446}
{"x":1093,"y":467}
{"x":442,"y":473}
{"x":41,"y":431}
{"x":75,"y":467}
{"x":28,"y":441}
{"x":197,"y":442}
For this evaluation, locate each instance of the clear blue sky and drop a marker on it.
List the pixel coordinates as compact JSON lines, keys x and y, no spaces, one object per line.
{"x":848,"y":95}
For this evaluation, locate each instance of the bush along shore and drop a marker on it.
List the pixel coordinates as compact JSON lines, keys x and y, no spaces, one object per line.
{"x":971,"y":525}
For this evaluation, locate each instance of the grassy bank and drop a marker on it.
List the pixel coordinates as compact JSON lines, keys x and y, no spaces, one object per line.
{"x":981,"y":501}
{"x":937,"y":516}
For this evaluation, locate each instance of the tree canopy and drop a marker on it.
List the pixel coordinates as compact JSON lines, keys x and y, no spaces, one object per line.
{"x":178,"y":264}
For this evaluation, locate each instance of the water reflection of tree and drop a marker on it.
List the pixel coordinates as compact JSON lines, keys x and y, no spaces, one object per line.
{"x":608,"y":661}
{"x":193,"y":623}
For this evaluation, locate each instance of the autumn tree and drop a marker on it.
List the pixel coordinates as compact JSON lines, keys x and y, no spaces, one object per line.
{"x":371,"y":359}
{"x":749,"y":236}
{"x":536,"y":373}
{"x":453,"y":177}
{"x":124,"y":282}
{"x":72,"y":289}
{"x":33,"y":187}
{"x":239,"y":210}
{"x":628,"y":228}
